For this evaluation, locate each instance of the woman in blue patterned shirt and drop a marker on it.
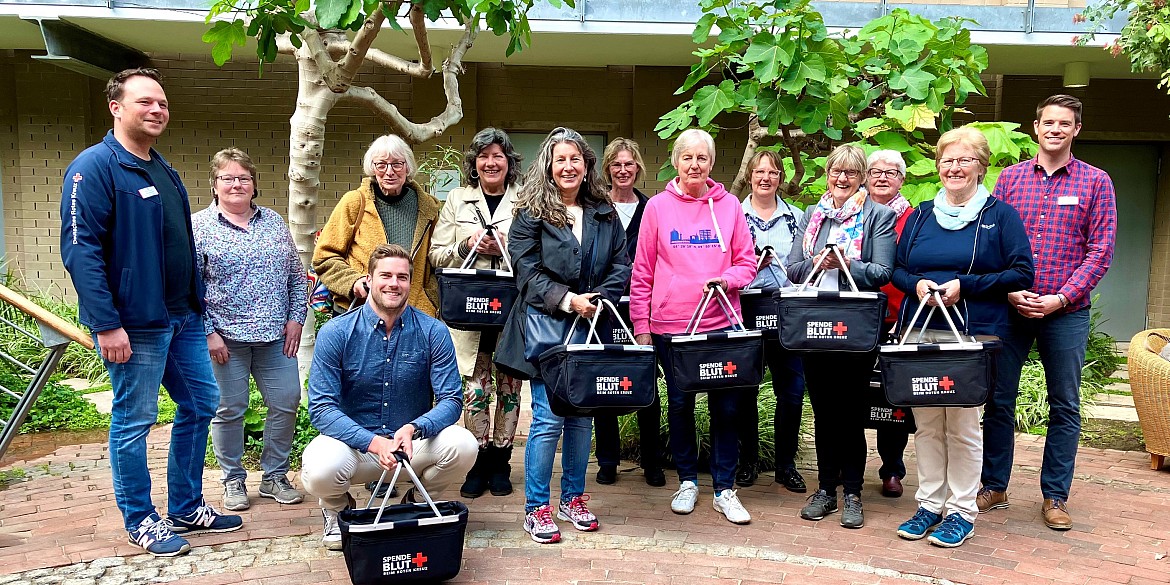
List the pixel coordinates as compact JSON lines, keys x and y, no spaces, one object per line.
{"x":257,"y":297}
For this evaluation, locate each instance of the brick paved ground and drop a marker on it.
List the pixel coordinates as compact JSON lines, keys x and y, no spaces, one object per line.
{"x":62,"y":527}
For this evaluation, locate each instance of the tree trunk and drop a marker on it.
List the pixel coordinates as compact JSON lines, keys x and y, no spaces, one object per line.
{"x":306,"y":142}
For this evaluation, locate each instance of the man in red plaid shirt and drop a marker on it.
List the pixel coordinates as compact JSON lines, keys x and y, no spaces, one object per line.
{"x":1070,"y":214}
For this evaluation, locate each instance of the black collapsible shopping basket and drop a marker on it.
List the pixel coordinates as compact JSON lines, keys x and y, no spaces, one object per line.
{"x":959,"y":373}
{"x":587,"y":379}
{"x":821,"y":320}
{"x":882,"y":415}
{"x":727,"y":360}
{"x":760,"y":310}
{"x":477,"y":299}
{"x":403,"y":543}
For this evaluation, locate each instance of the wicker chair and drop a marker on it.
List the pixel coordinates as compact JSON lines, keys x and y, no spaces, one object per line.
{"x":1149,"y":379}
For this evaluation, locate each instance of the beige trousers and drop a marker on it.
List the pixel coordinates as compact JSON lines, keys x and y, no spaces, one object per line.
{"x":329,"y":467}
{"x":949,"y":448}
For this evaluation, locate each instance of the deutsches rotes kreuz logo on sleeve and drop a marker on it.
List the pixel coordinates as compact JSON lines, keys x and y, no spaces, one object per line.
{"x":73,"y":204}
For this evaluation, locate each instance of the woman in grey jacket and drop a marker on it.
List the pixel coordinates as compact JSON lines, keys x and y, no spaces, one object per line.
{"x":863,"y":231}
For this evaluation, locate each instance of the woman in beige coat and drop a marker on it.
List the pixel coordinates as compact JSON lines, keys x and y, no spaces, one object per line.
{"x":492,"y":168}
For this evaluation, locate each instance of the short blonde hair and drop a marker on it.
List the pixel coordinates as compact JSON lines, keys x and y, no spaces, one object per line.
{"x":966,"y":136}
{"x":392,"y":146}
{"x":616,"y":146}
{"x":846,"y":157}
{"x":690,"y":139}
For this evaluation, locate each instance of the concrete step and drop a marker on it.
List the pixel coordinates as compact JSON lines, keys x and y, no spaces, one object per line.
{"x":1118,"y":388}
{"x":1114,"y":400}
{"x":1125,"y":413}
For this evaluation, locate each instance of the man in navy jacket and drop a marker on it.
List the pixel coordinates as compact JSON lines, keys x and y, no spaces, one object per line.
{"x":127,"y":243}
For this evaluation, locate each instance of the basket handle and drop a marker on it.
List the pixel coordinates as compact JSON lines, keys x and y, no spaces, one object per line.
{"x":487,"y":230}
{"x":935,"y":294}
{"x":836,"y":250}
{"x":592,"y":334}
{"x":403,"y":462}
{"x":723,"y":302}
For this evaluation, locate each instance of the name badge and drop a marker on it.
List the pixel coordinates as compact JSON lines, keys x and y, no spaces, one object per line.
{"x":1067,"y":200}
{"x":148,"y":192}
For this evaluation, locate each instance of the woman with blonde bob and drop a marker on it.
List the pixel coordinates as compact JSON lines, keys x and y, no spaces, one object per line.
{"x":492,"y":168}
{"x":389,"y":207}
{"x":974,"y":250}
{"x":568,"y":248}
{"x":863,"y":231}
{"x":693,"y":238}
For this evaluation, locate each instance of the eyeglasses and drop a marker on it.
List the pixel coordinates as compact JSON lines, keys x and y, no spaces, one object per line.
{"x":964,"y":162}
{"x":228,"y":179}
{"x":397,"y":165}
{"x":617,"y":166}
{"x":762,"y":173}
{"x":852,"y":174}
{"x":887,"y":173}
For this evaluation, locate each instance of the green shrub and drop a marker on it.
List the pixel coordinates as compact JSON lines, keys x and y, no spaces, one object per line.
{"x":58,"y":408}
{"x":78,"y":362}
{"x":254,"y":419}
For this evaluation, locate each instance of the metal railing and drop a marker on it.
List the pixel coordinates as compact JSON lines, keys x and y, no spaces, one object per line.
{"x":55,"y":334}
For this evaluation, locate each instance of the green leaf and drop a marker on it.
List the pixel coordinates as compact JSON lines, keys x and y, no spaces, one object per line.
{"x":223,"y":36}
{"x":703,"y":28}
{"x":710,"y":101}
{"x":675,"y":120}
{"x":914,"y":81}
{"x":769,"y":57}
{"x":330,"y":12}
{"x":922,"y":168}
{"x":892,"y":141}
{"x":699,"y":72}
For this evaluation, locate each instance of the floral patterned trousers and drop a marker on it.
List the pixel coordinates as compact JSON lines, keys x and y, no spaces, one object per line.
{"x":478,"y":391}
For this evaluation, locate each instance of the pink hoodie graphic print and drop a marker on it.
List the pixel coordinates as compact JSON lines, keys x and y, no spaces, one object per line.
{"x":683,"y":242}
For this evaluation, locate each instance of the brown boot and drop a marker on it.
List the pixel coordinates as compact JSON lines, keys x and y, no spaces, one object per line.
{"x":1056,"y":514}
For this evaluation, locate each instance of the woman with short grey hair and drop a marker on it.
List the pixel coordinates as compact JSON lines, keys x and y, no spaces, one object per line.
{"x":492,"y":168}
{"x":389,"y":207}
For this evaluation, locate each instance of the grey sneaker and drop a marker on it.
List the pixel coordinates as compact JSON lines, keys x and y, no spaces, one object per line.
{"x":279,"y":488}
{"x":820,"y":504}
{"x":235,"y":495}
{"x":331,"y":536}
{"x":851,"y":516}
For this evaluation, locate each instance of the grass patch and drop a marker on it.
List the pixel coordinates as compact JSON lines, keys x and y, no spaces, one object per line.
{"x":1112,"y":434}
{"x":11,"y":476}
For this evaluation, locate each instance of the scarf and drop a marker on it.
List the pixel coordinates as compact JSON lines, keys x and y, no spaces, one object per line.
{"x":956,"y":218}
{"x":850,"y":218}
{"x":899,"y":204}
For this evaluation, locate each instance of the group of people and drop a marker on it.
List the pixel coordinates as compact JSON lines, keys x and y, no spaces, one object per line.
{"x":201,"y":303}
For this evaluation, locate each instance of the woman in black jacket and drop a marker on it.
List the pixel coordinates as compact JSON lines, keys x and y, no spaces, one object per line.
{"x":622,"y":166}
{"x":568,"y":247}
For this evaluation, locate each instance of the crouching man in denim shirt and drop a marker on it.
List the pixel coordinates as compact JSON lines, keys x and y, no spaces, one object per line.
{"x":383,"y":378}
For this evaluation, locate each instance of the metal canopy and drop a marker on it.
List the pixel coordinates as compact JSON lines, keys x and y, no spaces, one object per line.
{"x":77,"y":49}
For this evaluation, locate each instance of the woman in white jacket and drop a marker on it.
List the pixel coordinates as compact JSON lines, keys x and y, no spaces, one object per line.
{"x":492,"y":168}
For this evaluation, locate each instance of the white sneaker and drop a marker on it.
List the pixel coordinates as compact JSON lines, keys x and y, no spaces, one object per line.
{"x":728,"y":504}
{"x":331,"y":538}
{"x":684,"y":498}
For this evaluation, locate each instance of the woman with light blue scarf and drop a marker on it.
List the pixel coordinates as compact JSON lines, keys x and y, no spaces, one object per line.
{"x":973,"y":248}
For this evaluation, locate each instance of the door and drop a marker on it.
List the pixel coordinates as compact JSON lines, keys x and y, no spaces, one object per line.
{"x":1124,"y":292}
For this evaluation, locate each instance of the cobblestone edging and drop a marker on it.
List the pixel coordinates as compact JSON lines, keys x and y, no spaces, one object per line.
{"x":239,"y":556}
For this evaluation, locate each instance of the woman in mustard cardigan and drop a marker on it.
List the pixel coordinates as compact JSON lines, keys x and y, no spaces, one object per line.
{"x":388,"y":207}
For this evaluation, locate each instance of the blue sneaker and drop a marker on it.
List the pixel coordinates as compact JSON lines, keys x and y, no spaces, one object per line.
{"x":921,"y":523}
{"x":953,"y":532}
{"x":154,"y":535}
{"x":205,"y":519}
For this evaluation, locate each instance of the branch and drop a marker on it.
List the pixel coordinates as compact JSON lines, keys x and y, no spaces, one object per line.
{"x":418,"y":24}
{"x":755,"y":133}
{"x":398,"y":64}
{"x":313,"y":48}
{"x":797,"y":164}
{"x":349,"y":64}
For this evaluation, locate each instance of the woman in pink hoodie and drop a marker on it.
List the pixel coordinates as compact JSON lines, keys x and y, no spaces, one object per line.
{"x":693,"y":237}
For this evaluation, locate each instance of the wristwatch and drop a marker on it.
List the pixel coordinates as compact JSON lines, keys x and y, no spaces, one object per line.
{"x":1064,"y":302}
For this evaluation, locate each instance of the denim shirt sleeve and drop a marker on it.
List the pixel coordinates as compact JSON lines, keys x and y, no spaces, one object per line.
{"x":445,"y":381}
{"x":325,"y":391}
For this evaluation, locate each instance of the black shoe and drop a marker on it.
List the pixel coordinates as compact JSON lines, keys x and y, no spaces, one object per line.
{"x":746,"y":476}
{"x":790,"y":478}
{"x":381,"y":493}
{"x":477,"y":479}
{"x":655,"y":477}
{"x":500,"y":471}
{"x":607,"y":474}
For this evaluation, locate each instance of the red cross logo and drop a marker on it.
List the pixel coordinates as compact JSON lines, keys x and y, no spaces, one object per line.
{"x":495,"y":304}
{"x":625,"y":383}
{"x":898,"y":414}
{"x":946,"y":383}
{"x":419,"y":560}
{"x":77,"y":178}
{"x":841,"y":328}
{"x":730,"y":368}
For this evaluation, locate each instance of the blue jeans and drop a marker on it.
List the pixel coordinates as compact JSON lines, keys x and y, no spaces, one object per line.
{"x":176,"y":358}
{"x":279,"y":382}
{"x":684,"y":446}
{"x":543,"y":435}
{"x":1062,"y":339}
